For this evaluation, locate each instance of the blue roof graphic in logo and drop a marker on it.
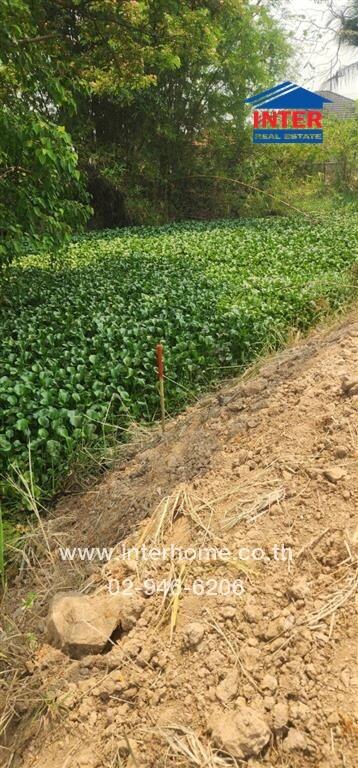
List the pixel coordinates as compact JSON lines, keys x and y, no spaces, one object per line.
{"x":287,"y":95}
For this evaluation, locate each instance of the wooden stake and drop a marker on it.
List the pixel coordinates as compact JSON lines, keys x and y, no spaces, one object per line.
{"x":160,"y":369}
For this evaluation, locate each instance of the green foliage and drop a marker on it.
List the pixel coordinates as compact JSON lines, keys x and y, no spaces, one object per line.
{"x":160,"y":90}
{"x":152,"y":95}
{"x":340,"y":148}
{"x":38,"y":185}
{"x":78,"y":342}
{"x":40,"y":190}
{"x":289,"y":172}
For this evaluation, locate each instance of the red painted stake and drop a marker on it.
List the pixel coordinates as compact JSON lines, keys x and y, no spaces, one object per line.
{"x":160,"y":368}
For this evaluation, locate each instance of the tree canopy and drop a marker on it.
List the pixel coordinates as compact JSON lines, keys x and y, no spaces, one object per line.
{"x":41,"y":195}
{"x":130,"y":103}
{"x":349,"y":30}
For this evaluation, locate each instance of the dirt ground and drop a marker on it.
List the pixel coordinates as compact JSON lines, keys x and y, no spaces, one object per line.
{"x":251,"y":659}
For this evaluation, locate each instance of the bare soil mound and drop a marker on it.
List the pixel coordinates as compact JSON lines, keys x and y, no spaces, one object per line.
{"x":228,"y":637}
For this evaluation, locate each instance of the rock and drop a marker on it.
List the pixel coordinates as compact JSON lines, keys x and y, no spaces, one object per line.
{"x":193,"y":634}
{"x":353,"y":537}
{"x":295,"y":740}
{"x":243,"y":455}
{"x":228,"y":688}
{"x":277,"y":626}
{"x":333,"y":718}
{"x":299,"y":589}
{"x":253,"y":387}
{"x":160,"y":660}
{"x":269,"y":682}
{"x":82,"y":624}
{"x":86,"y":758}
{"x":340,"y":452}
{"x":334,"y":474}
{"x":228,"y":611}
{"x":113,"y":684}
{"x":215,"y":659}
{"x":47,"y":657}
{"x":250,"y":656}
{"x":252,"y":613}
{"x":223,"y":399}
{"x":299,"y":711}
{"x":145,"y":656}
{"x":130,"y":565}
{"x":242,"y":733}
{"x":236,"y":407}
{"x":268,"y":702}
{"x":131,"y":608}
{"x":256,"y":764}
{"x":280,"y":715}
{"x":349,"y":385}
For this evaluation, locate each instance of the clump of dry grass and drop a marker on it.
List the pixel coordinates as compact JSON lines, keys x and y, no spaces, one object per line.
{"x":256,"y":509}
{"x":168,"y":509}
{"x":184,"y":742}
{"x":156,"y":531}
{"x":336,"y":600}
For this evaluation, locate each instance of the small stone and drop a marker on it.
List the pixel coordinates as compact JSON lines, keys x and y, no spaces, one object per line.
{"x":236,"y":407}
{"x":299,"y":589}
{"x":228,"y":611}
{"x":340,"y":452}
{"x":193,"y":634}
{"x":250,"y":656}
{"x":113,"y":683}
{"x":295,"y":740}
{"x":280,"y":716}
{"x":130,"y":565}
{"x":277,"y":626}
{"x":268,"y":702}
{"x":334,"y":474}
{"x":86,"y":758}
{"x":269,"y":682}
{"x":160,"y":660}
{"x":215,"y":659}
{"x":228,"y":688}
{"x":244,"y":455}
{"x":353,"y":536}
{"x":311,"y":671}
{"x":251,"y":613}
{"x":253,"y":387}
{"x":299,"y":711}
{"x":242,"y":733}
{"x":145,"y":656}
{"x":349,"y":385}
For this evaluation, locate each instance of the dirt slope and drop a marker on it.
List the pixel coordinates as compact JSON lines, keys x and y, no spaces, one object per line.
{"x":263,"y":675}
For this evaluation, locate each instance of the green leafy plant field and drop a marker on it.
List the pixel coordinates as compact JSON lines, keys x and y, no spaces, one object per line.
{"x":77,"y":341}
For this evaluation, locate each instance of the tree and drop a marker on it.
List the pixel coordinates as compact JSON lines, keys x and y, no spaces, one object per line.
{"x":348,"y":33}
{"x":40,"y":189}
{"x":151,"y":93}
{"x":159,"y":87}
{"x":349,"y":28}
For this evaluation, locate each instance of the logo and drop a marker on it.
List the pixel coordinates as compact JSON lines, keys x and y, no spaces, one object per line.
{"x":287,"y":114}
